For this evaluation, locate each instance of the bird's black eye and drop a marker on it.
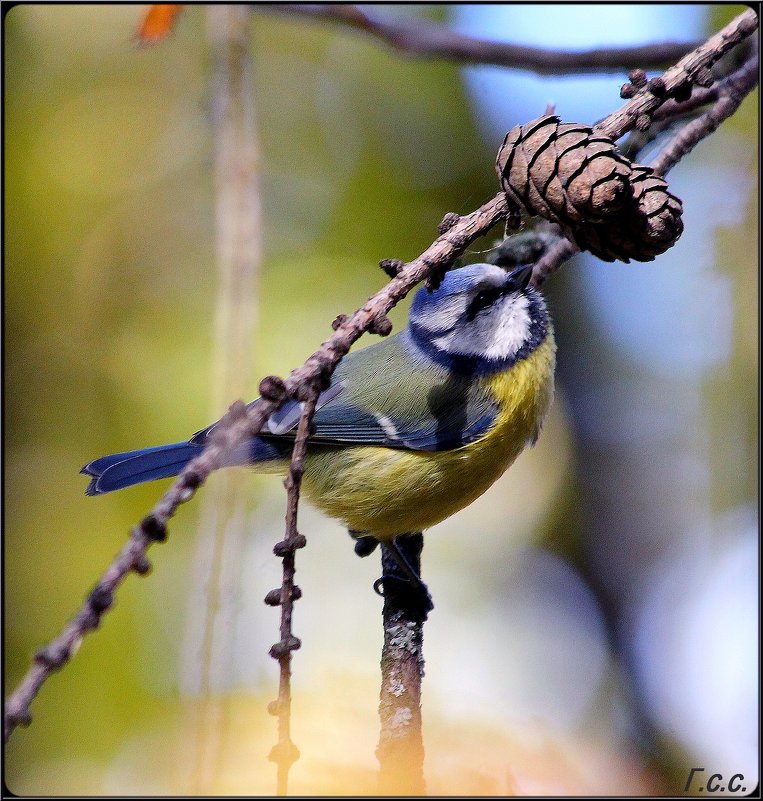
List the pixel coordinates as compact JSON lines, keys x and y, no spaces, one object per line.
{"x":482,"y":300}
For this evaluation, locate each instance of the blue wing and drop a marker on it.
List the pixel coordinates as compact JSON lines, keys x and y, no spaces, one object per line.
{"x":453,"y":422}
{"x":389,"y":395}
{"x":394,"y":396}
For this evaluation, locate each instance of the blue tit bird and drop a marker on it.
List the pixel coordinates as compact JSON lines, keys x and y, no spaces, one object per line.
{"x":414,"y":428}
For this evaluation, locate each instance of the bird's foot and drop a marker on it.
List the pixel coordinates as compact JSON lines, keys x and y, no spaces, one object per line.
{"x":414,"y":600}
{"x":365,"y":544}
{"x":401,"y":585}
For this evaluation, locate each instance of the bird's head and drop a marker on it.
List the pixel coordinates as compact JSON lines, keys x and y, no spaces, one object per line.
{"x":481,"y":312}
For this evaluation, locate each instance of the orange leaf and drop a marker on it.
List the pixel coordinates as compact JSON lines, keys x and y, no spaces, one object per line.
{"x":158,"y":22}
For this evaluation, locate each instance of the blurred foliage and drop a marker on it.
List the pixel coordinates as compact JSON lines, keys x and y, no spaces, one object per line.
{"x":109,"y":302}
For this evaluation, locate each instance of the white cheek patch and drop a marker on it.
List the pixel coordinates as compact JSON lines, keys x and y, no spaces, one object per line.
{"x":497,"y":334}
{"x":446,"y":315}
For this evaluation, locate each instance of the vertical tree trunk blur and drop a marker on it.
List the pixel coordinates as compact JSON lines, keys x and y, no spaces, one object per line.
{"x":207,"y":656}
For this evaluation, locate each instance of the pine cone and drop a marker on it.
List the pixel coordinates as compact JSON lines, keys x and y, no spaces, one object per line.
{"x":563,"y":172}
{"x":651,"y":226}
{"x":659,"y":212}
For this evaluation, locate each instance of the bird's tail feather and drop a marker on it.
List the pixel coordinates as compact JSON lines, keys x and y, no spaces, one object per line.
{"x":122,"y":470}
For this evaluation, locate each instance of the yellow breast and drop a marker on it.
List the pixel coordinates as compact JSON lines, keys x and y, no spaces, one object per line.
{"x":388,"y":492}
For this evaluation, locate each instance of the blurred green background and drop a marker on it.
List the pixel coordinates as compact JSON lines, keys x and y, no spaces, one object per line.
{"x":568,"y":652}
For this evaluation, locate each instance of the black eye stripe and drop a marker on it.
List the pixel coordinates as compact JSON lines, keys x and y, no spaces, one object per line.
{"x":483,"y":300}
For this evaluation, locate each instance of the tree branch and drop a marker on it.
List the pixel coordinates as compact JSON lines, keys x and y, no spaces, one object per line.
{"x":673,"y":111}
{"x":401,"y":744}
{"x":679,"y":78}
{"x":550,"y":261}
{"x":702,"y":95}
{"x":432,"y":40}
{"x":731,"y":92}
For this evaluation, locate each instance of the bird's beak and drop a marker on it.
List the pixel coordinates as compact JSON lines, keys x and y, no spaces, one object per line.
{"x":520,"y":276}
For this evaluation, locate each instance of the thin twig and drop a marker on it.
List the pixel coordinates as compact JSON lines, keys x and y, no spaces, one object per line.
{"x":58,"y":652}
{"x":673,"y":111}
{"x":700,"y":96}
{"x":677,"y":78}
{"x":732,"y":92}
{"x":285,"y":753}
{"x":554,"y":257}
{"x":427,"y":39}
